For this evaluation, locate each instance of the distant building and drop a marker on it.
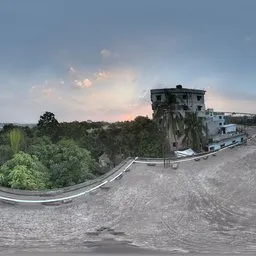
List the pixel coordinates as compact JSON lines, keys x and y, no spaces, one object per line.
{"x":214,"y":121}
{"x":227,"y":136}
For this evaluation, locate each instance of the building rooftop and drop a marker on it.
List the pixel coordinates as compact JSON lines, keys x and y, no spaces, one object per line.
{"x":177,"y":90}
{"x":223,"y":137}
{"x":228,"y":125}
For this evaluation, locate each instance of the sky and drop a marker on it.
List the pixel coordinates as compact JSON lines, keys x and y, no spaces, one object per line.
{"x":98,"y":59}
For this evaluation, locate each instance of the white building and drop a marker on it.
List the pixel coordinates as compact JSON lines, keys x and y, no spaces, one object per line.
{"x":228,"y":129}
{"x":226,"y":140}
{"x":214,"y":121}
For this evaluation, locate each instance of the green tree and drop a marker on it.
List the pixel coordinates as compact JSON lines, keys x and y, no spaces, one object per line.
{"x":195,"y":131}
{"x":48,"y":125}
{"x":174,"y":121}
{"x":16,"y":138}
{"x":5,"y":153}
{"x":24,"y":171}
{"x":67,"y":163}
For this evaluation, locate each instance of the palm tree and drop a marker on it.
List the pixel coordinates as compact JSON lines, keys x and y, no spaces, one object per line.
{"x":195,"y":133}
{"x":16,"y":138}
{"x":173,"y":120}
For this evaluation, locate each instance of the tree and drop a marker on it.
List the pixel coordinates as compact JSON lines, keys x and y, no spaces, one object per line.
{"x":5,"y":153}
{"x":48,"y":125}
{"x":195,"y":131}
{"x":8,"y":127}
{"x":174,"y":121}
{"x":67,"y":163}
{"x":24,"y":171}
{"x":16,"y":138}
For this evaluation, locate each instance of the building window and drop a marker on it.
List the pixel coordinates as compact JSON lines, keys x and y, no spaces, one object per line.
{"x":212,"y":148}
{"x":199,"y":108}
{"x":184,"y":96}
{"x":174,"y":144}
{"x":222,"y":145}
{"x":158,"y":97}
{"x":242,"y":139}
{"x":220,"y":117}
{"x":233,"y":141}
{"x":220,"y":124}
{"x":185,"y":107}
{"x":199,"y":97}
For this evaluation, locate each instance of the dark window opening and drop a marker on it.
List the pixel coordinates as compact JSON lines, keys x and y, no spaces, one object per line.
{"x":184,"y":96}
{"x":199,"y":108}
{"x":220,"y":117}
{"x":199,"y":98}
{"x":211,"y":148}
{"x":158,"y":97}
{"x":222,"y":145}
{"x":233,"y":141}
{"x":220,"y":124}
{"x":174,"y":144}
{"x":185,"y":107}
{"x":242,"y":139}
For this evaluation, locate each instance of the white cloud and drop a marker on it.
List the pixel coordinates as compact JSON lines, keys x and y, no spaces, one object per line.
{"x":105,"y":53}
{"x":82,"y":84}
{"x":102,"y":75}
{"x":72,"y":70}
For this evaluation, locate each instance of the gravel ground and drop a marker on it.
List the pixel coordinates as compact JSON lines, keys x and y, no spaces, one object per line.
{"x":203,"y":206}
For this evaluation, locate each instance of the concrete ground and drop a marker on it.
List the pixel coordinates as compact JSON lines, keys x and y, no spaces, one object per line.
{"x":206,"y":206}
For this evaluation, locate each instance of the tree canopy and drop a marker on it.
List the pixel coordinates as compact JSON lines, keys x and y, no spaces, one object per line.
{"x":23,"y":171}
{"x":54,"y":154}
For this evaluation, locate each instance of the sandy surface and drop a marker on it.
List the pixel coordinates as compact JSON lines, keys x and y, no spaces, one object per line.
{"x":204,"y":206}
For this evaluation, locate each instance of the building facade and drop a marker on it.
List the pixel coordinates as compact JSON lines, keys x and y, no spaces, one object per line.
{"x":179,"y":99}
{"x":214,"y":121}
{"x":175,"y":103}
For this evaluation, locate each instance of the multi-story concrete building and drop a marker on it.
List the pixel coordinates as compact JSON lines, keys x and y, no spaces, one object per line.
{"x":214,"y":121}
{"x":175,"y":102}
{"x":179,"y":99}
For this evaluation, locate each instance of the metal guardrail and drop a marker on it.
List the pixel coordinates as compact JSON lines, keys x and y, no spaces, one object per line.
{"x":68,"y":198}
{"x":58,"y":191}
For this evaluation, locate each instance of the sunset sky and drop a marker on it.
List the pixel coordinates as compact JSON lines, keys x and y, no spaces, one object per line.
{"x":98,"y":59}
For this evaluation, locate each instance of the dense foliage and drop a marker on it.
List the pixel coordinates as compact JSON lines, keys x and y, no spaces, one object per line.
{"x":23,"y":171}
{"x":53,"y":154}
{"x":243,"y":120}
